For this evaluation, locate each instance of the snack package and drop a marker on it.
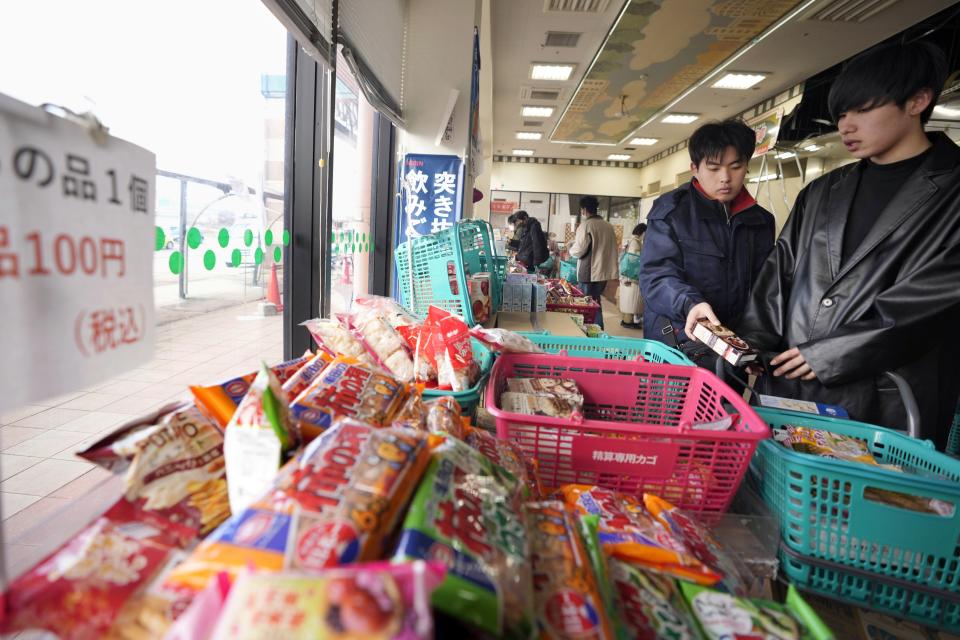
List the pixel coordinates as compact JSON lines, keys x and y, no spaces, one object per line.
{"x":256,"y":440}
{"x":567,"y":599}
{"x":504,"y":341}
{"x":651,"y":603}
{"x":418,"y":340}
{"x":174,"y":472}
{"x":467,"y":514}
{"x":450,"y":349}
{"x":220,"y":401}
{"x":347,"y":389}
{"x":413,"y":413}
{"x":79,"y":590}
{"x":372,"y":601}
{"x":563,"y":388}
{"x":383,"y":341}
{"x":199,"y":620}
{"x":338,"y":340}
{"x":444,"y":416}
{"x":152,"y":611}
{"x":631,"y":534}
{"x":334,"y":504}
{"x":480,"y":303}
{"x":532,"y":405}
{"x":724,"y":342}
{"x":821,"y":442}
{"x":721,"y":616}
{"x":507,"y":455}
{"x":306,"y":374}
{"x":589,"y":528}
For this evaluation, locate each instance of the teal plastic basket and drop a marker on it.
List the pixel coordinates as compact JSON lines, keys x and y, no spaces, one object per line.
{"x":568,"y":270}
{"x":840,"y":542}
{"x":500,"y":264}
{"x":469,"y":399}
{"x":610,"y":348}
{"x":441,"y":265}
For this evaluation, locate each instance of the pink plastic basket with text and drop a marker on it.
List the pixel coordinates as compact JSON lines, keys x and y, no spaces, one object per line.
{"x":671,"y":430}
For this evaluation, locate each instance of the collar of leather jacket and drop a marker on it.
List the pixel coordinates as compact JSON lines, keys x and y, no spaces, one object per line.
{"x":944,"y":157}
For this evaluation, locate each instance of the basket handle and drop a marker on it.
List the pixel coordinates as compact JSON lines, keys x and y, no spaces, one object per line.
{"x":640,"y":358}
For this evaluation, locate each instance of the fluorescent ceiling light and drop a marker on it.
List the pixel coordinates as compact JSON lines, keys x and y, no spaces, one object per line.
{"x":523,"y":152}
{"x":644,"y":142}
{"x":948,"y":112}
{"x":556,"y":72}
{"x":764,"y":178}
{"x":812,"y":147}
{"x":784,"y":155}
{"x":537,"y":112}
{"x":529,"y":135}
{"x":738,"y":80}
{"x":680,"y":118}
{"x":618,"y":156}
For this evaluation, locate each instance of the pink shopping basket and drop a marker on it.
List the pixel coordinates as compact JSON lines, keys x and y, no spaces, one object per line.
{"x":645,"y":429}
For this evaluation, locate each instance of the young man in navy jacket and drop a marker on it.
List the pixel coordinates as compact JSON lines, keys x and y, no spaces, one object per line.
{"x":706,"y":240}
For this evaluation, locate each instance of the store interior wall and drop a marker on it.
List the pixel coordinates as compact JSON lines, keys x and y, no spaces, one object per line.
{"x":481,"y":209}
{"x":548,"y":178}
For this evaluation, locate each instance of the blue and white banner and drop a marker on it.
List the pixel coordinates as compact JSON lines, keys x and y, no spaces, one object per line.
{"x":431,"y":195}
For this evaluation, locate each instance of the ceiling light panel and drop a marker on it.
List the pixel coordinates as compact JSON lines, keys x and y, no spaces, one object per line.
{"x":556,"y":72}
{"x":812,"y":147}
{"x":523,"y":152}
{"x":644,"y":142}
{"x":529,"y":135}
{"x":618,"y":156}
{"x":785,"y":155}
{"x":680,"y":118}
{"x":738,"y":80}
{"x":537,"y":112}
{"x":947,"y":112}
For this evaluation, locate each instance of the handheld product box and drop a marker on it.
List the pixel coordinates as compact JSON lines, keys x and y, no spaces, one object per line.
{"x":724,"y":342}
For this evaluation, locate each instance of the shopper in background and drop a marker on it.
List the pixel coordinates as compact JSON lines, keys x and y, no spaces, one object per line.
{"x":595,"y":247}
{"x":631,"y":302}
{"x":865,"y":277}
{"x":532,"y":246}
{"x":517,"y":231}
{"x":705,"y":241}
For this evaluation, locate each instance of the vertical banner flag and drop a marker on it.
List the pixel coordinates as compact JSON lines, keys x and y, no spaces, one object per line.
{"x":476,"y":152}
{"x":431,"y":195}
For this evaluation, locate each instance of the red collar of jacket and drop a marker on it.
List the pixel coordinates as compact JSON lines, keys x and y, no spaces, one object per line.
{"x":742,"y":202}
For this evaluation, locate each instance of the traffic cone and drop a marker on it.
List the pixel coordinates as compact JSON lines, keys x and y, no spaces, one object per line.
{"x":273,"y":289}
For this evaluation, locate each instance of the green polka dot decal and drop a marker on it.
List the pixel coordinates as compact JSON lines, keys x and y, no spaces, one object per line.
{"x":161,"y":239}
{"x":277,"y":254}
{"x":194,"y":238}
{"x":236,"y":257}
{"x":176,"y":262}
{"x":248,"y":237}
{"x":268,"y":237}
{"x":258,"y":255}
{"x":209,"y":259}
{"x":286,"y":237}
{"x":223,"y":238}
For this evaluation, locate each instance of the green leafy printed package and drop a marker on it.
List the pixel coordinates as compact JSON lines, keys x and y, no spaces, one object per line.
{"x":590,"y":533}
{"x":467,"y":514}
{"x":722,"y":616}
{"x":650,"y":603}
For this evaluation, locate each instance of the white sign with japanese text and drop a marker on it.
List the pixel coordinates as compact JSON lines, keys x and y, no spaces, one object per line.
{"x":76,"y":263}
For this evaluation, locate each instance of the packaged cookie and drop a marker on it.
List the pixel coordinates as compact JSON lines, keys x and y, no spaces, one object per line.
{"x":563,"y":388}
{"x":444,"y":416}
{"x":347,"y":389}
{"x":534,"y":405}
{"x":567,"y":598}
{"x":371,"y":601}
{"x":466,"y":513}
{"x":312,"y":368}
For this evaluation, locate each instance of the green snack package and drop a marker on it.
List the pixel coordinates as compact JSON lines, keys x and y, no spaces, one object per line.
{"x":651,"y":603}
{"x":467,"y":514}
{"x":590,"y":533}
{"x":721,"y":616}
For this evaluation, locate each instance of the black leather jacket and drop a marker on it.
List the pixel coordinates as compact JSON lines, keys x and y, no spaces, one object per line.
{"x":892,"y":306}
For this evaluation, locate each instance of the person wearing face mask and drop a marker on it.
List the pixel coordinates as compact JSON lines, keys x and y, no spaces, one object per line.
{"x":865,"y":277}
{"x":705,"y":241}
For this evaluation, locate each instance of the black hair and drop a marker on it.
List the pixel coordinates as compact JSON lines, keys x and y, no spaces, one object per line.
{"x":889,"y":73}
{"x":520,"y":215}
{"x":590,"y":203}
{"x":512,"y":218}
{"x":640,"y":229}
{"x":712,"y":139}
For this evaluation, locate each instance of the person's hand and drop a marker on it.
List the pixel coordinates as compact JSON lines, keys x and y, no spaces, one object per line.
{"x":793,"y":365}
{"x":701,"y":310}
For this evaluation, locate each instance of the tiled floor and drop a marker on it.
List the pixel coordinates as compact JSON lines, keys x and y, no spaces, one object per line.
{"x":39,"y":473}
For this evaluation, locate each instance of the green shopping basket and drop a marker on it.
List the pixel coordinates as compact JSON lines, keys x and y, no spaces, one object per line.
{"x":840,"y":540}
{"x":568,"y":270}
{"x":610,"y":348}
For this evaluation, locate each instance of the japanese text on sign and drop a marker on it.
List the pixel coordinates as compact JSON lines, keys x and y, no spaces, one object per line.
{"x":431,"y":190}
{"x":76,"y":270}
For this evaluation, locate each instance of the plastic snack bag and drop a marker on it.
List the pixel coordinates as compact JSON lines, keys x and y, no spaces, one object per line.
{"x":504,"y":341}
{"x":506,"y":455}
{"x":383,"y":342}
{"x":371,"y":601}
{"x":444,"y":416}
{"x":338,"y":340}
{"x":467,"y":514}
{"x":258,"y":437}
{"x":565,"y":389}
{"x":721,"y":616}
{"x":220,"y":401}
{"x":309,"y":372}
{"x":651,"y":603}
{"x":450,"y":350}
{"x":566,"y":596}
{"x":413,"y":413}
{"x":824,"y":443}
{"x":631,"y":534}
{"x":590,"y":534}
